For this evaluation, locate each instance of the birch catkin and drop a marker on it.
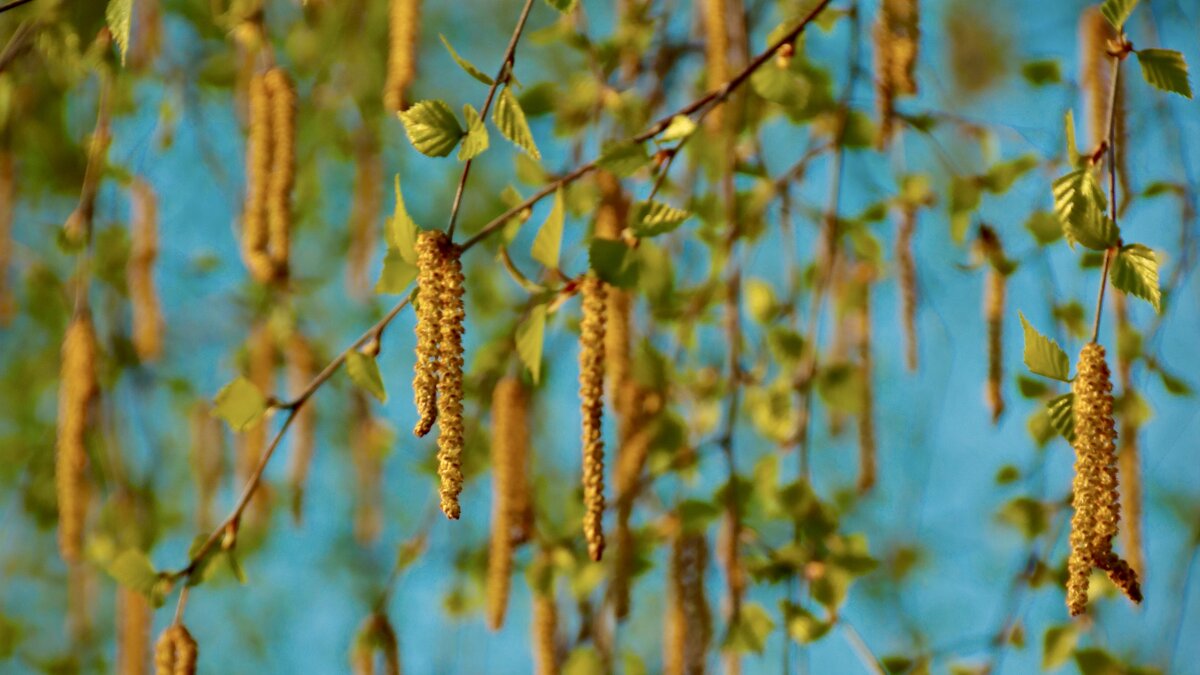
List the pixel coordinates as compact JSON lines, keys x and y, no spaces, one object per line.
{"x":450,"y":385}
{"x":8,"y":197}
{"x":404,"y":18}
{"x":688,"y":623}
{"x":176,"y":652}
{"x":143,"y":298}
{"x":1096,"y":38}
{"x":510,"y":438}
{"x":544,"y":628}
{"x":282,"y":95}
{"x":365,"y":450}
{"x":716,"y":52}
{"x":301,"y":369}
{"x":591,"y":395}
{"x":866,"y":421}
{"x":364,"y":212}
{"x":1096,"y":498}
{"x":134,"y":616}
{"x":906,"y":271}
{"x":77,"y":390}
{"x":995,"y":287}
{"x":896,"y":34}
{"x":255,"y":234}
{"x":429,"y":291}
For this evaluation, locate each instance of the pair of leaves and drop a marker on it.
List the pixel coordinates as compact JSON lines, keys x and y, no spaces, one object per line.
{"x":434,"y":131}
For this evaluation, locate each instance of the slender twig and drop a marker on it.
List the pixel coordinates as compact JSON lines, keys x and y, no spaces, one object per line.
{"x":502,"y":77}
{"x":864,"y":653}
{"x":13,"y":5}
{"x":1112,"y":185}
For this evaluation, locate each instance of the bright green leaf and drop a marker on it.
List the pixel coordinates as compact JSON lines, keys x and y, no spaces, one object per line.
{"x":1135,"y":271}
{"x":1117,"y":11}
{"x":476,"y":140}
{"x":1043,"y":356}
{"x":548,"y":242}
{"x":1027,"y":515}
{"x":1044,"y":227}
{"x":1069,"y":132}
{"x":529,"y":340}
{"x":681,"y":127}
{"x":401,"y":230}
{"x":240,"y":404}
{"x":1166,"y":70}
{"x":364,"y":371}
{"x":655,"y":218}
{"x":1079,"y":204}
{"x":396,"y":275}
{"x":760,"y":300}
{"x":510,"y":120}
{"x":432,"y":127}
{"x":749,"y":632}
{"x":119,"y":14}
{"x":465,"y":64}
{"x":614,"y":262}
{"x":1062,"y":415}
{"x":623,"y":159}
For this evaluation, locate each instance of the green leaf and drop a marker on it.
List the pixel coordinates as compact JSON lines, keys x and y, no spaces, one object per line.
{"x":548,"y":242}
{"x":1069,"y":132}
{"x":1042,"y":72}
{"x":432,"y":127}
{"x":760,"y":300}
{"x":1057,"y":645}
{"x":1096,"y":661}
{"x":654,"y":218}
{"x":583,"y":661}
{"x":529,"y":340}
{"x":1117,"y":11}
{"x":364,"y":371}
{"x":1166,"y":70}
{"x":1079,"y":204}
{"x":749,"y":631}
{"x":1027,"y":515}
{"x":1043,"y":356}
{"x":396,"y":275}
{"x":802,"y":625}
{"x":1135,"y":271}
{"x":476,"y":140}
{"x":681,"y":127}
{"x":623,"y":159}
{"x":401,"y":230}
{"x":1062,"y":415}
{"x":133,"y":570}
{"x":563,"y":6}
{"x":510,"y":120}
{"x":240,"y":404}
{"x":1173,"y":384}
{"x":614,"y":262}
{"x":1002,"y":175}
{"x":465,"y":64}
{"x":119,"y":14}
{"x":964,"y":199}
{"x":1044,"y":227}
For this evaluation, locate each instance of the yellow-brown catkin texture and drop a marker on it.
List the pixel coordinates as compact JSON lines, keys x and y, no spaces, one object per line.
{"x":301,"y":369}
{"x":451,"y":325}
{"x":896,"y":34}
{"x":591,"y":401}
{"x":510,"y":440}
{"x":688,"y":624}
{"x":427,"y":371}
{"x":207,"y":460}
{"x":906,"y":273}
{"x":368,"y":440}
{"x":867,"y":460}
{"x":364,"y":214}
{"x":134,"y":617}
{"x":544,"y":633}
{"x":81,"y":595}
{"x":404,"y":19}
{"x":143,"y":298}
{"x":993,"y":314}
{"x":1096,"y":498}
{"x":77,"y":390}
{"x":1095,"y":81}
{"x":611,"y":217}
{"x":8,"y":197}
{"x":716,"y":52}
{"x":1128,"y":453}
{"x":255,"y":234}
{"x":282,"y":95}
{"x":175,"y":653}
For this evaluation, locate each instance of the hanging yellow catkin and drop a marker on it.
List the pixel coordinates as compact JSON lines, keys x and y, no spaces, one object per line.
{"x":143,"y":298}
{"x":134,"y":616}
{"x":630,"y":461}
{"x":544,"y":630}
{"x":1096,"y":498}
{"x":175,"y":653}
{"x":1128,"y":454}
{"x":255,"y":234}
{"x":367,"y":438}
{"x":427,"y":370}
{"x":1095,"y":80}
{"x":404,"y":18}
{"x":451,"y":318}
{"x":688,"y":624}
{"x":282,"y":96}
{"x":77,"y":390}
{"x":207,"y":460}
{"x":995,"y":287}
{"x":591,"y":397}
{"x":716,"y":52}
{"x":906,"y":273}
{"x":896,"y":34}
{"x":8,"y":197}
{"x":867,"y":460}
{"x":510,"y":439}
{"x":364,"y":212}
{"x":611,"y":216}
{"x":301,"y":369}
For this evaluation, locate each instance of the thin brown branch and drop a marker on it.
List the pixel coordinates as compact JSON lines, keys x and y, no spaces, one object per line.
{"x":13,"y":5}
{"x":1112,"y":183}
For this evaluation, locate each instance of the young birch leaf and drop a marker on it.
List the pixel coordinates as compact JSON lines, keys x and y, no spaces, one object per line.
{"x":681,"y":127}
{"x":614,"y":262}
{"x":1166,"y":70}
{"x":1117,"y":11}
{"x":401,"y":230}
{"x":655,"y":218}
{"x":1043,"y":356}
{"x":1062,"y":415}
{"x":240,"y":404}
{"x":432,"y":127}
{"x":364,"y":371}
{"x":623,"y":159}
{"x":396,"y":275}
{"x":1072,"y":148}
{"x":510,"y":120}
{"x":476,"y":140}
{"x":529,"y":341}
{"x":1135,"y":271}
{"x":1057,"y":645}
{"x":1079,"y":204}
{"x":118,"y":14}
{"x":465,"y":64}
{"x":548,"y":242}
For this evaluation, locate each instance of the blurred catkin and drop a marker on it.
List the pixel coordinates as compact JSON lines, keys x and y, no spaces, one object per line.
{"x":367,"y":443}
{"x":260,"y":370}
{"x":906,"y":272}
{"x":995,"y":287}
{"x":404,"y":18}
{"x":139,"y":271}
{"x":282,"y":96}
{"x":451,"y":318}
{"x":544,"y":633}
{"x":429,"y":292}
{"x":134,"y":616}
{"x":1096,"y":498}
{"x":716,"y":52}
{"x":688,"y":624}
{"x":867,"y":451}
{"x":1096,"y":38}
{"x":301,"y":369}
{"x":364,"y":213}
{"x":591,"y":397}
{"x":77,"y":390}
{"x":175,"y":653}
{"x":258,"y":170}
{"x":8,"y":197}
{"x":510,"y":439}
{"x":896,"y":34}
{"x":1128,"y":453}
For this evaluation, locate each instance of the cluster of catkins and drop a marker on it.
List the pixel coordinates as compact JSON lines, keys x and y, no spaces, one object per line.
{"x":438,"y":379}
{"x":1096,"y":498}
{"x":270,"y":173}
{"x":897,"y":34}
{"x":175,"y":653}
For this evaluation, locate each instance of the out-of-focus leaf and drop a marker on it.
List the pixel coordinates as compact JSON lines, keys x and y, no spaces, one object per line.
{"x":548,"y":241}
{"x":364,"y":371}
{"x":240,"y":404}
{"x":529,"y":340}
{"x":465,"y":64}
